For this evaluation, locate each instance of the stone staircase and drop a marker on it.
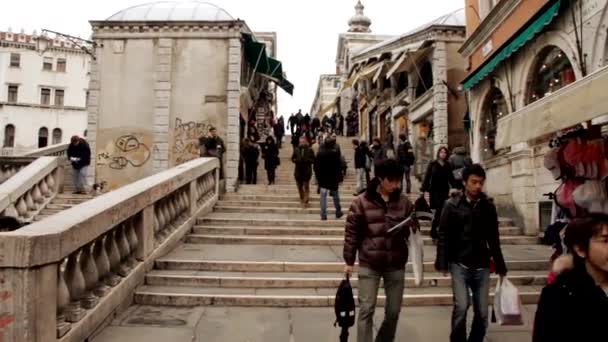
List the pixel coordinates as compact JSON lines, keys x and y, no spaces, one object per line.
{"x":61,"y":202}
{"x":259,"y":248}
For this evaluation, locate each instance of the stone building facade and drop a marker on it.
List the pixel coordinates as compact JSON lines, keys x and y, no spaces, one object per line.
{"x":523,"y":56}
{"x":325,"y":97}
{"x":408,"y":85}
{"x":165,"y":73}
{"x":43,"y":89}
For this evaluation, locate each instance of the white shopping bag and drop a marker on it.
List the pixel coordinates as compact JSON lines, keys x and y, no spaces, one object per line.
{"x":416,"y":252}
{"x":507,"y":305}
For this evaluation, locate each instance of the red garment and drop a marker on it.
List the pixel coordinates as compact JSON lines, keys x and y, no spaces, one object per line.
{"x":565,"y":198}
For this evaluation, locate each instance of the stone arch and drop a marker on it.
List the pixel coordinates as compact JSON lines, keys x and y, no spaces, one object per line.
{"x":493,"y":107}
{"x":555,"y":38}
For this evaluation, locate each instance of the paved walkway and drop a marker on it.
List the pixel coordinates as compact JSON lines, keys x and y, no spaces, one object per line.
{"x":213,"y":324}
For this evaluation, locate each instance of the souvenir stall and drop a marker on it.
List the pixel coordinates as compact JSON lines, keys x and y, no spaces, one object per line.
{"x":577,"y":158}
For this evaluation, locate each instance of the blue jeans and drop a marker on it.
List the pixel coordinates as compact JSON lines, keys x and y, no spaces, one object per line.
{"x":478,"y":281}
{"x":336,"y":197}
{"x":79,"y":178}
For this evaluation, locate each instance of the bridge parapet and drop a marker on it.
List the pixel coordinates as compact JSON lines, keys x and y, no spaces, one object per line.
{"x":62,"y":277}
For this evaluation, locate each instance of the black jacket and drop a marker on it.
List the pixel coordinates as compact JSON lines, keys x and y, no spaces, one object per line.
{"x":437,"y":181}
{"x":468,"y":234}
{"x":405,"y":154}
{"x":270,"y":153}
{"x":361,"y":155}
{"x":379,"y":153}
{"x":251,"y":154}
{"x":214,"y":146}
{"x":573,"y":308}
{"x":328,"y":168}
{"x":81,"y":151}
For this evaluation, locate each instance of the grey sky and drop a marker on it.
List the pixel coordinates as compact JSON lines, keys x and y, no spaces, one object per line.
{"x":307,"y":29}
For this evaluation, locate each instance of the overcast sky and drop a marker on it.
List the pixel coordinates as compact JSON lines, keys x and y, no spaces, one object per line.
{"x":307,"y":29}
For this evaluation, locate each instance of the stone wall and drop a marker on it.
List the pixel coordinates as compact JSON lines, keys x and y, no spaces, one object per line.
{"x":153,"y":95}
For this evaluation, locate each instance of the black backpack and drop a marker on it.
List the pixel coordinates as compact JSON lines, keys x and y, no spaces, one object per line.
{"x":345,"y":305}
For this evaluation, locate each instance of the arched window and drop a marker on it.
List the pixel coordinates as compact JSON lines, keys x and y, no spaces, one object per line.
{"x":9,"y":136}
{"x":43,"y":137}
{"x":494,"y":107}
{"x":426,"y":79}
{"x":57,"y":134}
{"x":551,"y":72}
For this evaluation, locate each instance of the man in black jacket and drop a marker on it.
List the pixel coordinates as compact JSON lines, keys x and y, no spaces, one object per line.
{"x":79,"y":154}
{"x":405,"y":152}
{"x":468,"y":243}
{"x":328,"y":170}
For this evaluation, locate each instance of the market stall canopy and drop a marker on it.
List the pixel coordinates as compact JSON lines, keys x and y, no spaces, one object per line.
{"x":520,"y":39}
{"x":255,"y":55}
{"x":581,"y":101}
{"x":410,"y":56}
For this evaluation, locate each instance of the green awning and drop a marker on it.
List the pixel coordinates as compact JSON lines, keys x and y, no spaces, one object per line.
{"x":255,"y":55}
{"x":530,"y":31}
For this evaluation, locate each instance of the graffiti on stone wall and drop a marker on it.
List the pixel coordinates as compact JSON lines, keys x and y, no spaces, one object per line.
{"x":186,"y":139}
{"x":128,"y":151}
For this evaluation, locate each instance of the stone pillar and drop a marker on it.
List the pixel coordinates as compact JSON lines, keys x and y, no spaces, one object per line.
{"x":231,"y":160}
{"x":93,"y":115}
{"x":28,"y":303}
{"x":162,"y":104}
{"x":440,"y":96}
{"x":523,"y":187}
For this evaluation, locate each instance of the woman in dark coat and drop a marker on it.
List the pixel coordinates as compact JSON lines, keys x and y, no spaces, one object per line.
{"x":250,"y":156}
{"x":575,"y":306}
{"x":270,"y":153}
{"x":438,"y":180}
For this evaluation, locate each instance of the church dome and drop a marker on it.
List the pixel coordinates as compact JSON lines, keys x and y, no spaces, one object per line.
{"x":192,"y":10}
{"x":359,"y":22}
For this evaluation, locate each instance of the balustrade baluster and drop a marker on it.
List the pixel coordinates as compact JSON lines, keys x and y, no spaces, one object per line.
{"x":29,"y":201}
{"x":114,"y":259}
{"x":156,"y":224}
{"x":171,"y":208}
{"x":44,"y":188}
{"x":22,"y":207}
{"x":103,"y":268}
{"x":76,"y":286}
{"x":50,"y":181}
{"x":91,"y":277}
{"x":133,"y":243}
{"x":123,"y":248}
{"x":167,"y":214}
{"x":162,"y":221}
{"x":37,"y":196}
{"x":63,"y":299}
{"x":182,"y":204}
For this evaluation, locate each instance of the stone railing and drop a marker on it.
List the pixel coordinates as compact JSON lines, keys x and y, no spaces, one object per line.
{"x":64,"y":276}
{"x":53,"y":150}
{"x":27,"y":192}
{"x":9,"y":166}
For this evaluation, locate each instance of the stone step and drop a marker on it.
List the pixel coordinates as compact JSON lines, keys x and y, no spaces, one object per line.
{"x":275,"y":210}
{"x":307,"y":279}
{"x":261,"y":197}
{"x":49,"y":212}
{"x":270,"y":222}
{"x":304,"y":231}
{"x":287,"y":187}
{"x":261,"y":297}
{"x":291,"y":204}
{"x":60,"y":206}
{"x":168,"y":263}
{"x":300,"y":240}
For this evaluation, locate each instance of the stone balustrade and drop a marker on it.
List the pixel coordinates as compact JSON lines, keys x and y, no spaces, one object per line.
{"x":61,"y":278}
{"x":57,"y":150}
{"x":9,"y":166}
{"x":27,"y":192}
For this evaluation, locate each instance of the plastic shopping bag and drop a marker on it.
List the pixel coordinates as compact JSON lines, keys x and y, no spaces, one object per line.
{"x":507,"y":305}
{"x":416,"y":252}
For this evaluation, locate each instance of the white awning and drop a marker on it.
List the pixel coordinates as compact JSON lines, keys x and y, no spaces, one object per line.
{"x":408,"y":58}
{"x":369,"y":71}
{"x":378,"y":73}
{"x":578,"y":102}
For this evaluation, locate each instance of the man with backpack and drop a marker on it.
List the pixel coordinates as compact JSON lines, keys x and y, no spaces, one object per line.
{"x":405,"y":153}
{"x":382,"y":251}
{"x":459,"y":160}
